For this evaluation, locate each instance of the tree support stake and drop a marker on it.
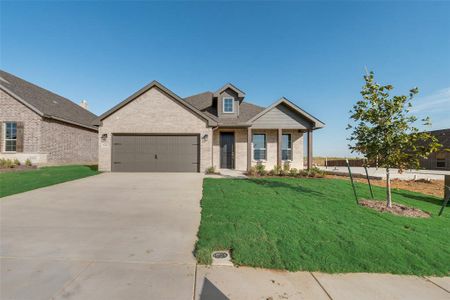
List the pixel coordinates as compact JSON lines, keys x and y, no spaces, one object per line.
{"x":351,"y":179}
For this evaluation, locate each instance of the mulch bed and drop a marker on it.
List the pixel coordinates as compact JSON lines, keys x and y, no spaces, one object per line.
{"x":17,"y":169}
{"x":396,"y":209}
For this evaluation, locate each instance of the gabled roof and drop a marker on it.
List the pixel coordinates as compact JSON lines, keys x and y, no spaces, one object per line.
{"x":204,"y":102}
{"x":240,"y":93}
{"x":248,"y":112}
{"x":158,"y":85}
{"x":317,"y":123}
{"x":45,"y":103}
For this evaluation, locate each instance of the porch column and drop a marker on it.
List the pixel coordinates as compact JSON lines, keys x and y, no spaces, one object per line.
{"x":249,"y":148}
{"x":309,"y":147}
{"x":280,"y":134}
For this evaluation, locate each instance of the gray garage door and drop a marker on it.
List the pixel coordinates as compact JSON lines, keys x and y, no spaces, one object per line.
{"x":155,"y":153}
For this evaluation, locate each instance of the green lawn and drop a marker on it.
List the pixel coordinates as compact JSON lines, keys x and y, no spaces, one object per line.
{"x":18,"y":182}
{"x":315,"y":225}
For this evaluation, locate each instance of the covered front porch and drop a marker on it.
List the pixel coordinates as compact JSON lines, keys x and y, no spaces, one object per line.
{"x":273,"y":137}
{"x":241,"y":148}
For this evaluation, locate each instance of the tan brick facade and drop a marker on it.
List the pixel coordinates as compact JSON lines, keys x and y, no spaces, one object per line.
{"x":65,"y":143}
{"x":271,"y":137}
{"x":14,"y":111}
{"x":154,"y":112}
{"x":45,"y":141}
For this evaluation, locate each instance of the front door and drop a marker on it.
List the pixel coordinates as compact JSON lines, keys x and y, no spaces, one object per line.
{"x":227,"y":150}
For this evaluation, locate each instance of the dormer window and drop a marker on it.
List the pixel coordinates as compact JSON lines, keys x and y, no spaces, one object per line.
{"x":228,"y":105}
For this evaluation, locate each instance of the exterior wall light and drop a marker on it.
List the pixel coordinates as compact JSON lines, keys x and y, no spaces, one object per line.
{"x":104,"y":137}
{"x":205,"y":138}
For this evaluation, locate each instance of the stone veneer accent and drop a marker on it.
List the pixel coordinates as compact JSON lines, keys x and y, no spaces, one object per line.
{"x":154,"y":112}
{"x":46,"y":141}
{"x":271,"y":137}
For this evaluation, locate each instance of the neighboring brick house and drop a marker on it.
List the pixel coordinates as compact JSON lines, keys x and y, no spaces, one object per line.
{"x":156,"y":130}
{"x":439,"y":160}
{"x":46,"y":128}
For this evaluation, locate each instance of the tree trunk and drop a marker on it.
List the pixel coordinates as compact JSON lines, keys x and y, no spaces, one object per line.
{"x":388,"y":189}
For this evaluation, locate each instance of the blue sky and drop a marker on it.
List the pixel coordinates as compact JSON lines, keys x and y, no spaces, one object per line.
{"x":312,"y":53}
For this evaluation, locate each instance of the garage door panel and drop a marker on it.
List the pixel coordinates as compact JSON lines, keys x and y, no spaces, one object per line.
{"x":155,"y":153}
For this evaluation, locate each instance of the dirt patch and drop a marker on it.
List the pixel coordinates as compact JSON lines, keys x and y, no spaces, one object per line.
{"x":396,"y":209}
{"x":432,"y":187}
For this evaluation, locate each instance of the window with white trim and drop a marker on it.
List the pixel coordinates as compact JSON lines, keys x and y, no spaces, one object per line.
{"x":10,"y":136}
{"x":259,"y":146}
{"x":228,"y":105}
{"x":286,"y":147}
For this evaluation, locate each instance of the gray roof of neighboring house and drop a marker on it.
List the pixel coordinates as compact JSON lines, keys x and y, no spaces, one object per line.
{"x":443,"y":136}
{"x":44,"y":102}
{"x":204,"y":103}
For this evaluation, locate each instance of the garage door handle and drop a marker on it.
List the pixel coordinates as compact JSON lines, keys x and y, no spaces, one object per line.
{"x":156,"y":156}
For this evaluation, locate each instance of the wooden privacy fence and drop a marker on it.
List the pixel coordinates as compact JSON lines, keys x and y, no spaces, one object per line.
{"x":343,"y":163}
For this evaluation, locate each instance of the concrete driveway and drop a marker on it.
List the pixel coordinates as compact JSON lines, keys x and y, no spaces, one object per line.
{"x":131,"y":236}
{"x":111,"y":236}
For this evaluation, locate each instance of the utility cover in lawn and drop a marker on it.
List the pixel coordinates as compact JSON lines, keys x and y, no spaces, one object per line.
{"x":315,"y":225}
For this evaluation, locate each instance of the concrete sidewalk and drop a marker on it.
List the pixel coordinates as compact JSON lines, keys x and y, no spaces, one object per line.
{"x":132,"y":236}
{"x":380,"y":173}
{"x":220,"y":283}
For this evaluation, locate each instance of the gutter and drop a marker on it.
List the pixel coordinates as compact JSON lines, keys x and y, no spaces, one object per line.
{"x":69,"y":122}
{"x":235,"y":125}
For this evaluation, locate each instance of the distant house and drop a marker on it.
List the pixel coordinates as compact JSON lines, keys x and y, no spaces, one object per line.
{"x":441,"y":159}
{"x":154,"y":130}
{"x":46,"y":128}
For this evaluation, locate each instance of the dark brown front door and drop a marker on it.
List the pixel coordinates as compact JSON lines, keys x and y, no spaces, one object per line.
{"x":227,"y":150}
{"x":155,"y":153}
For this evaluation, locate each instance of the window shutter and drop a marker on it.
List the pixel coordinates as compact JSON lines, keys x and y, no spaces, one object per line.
{"x":19,"y":141}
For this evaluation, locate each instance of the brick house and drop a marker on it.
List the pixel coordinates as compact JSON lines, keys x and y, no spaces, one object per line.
{"x":154,"y":130}
{"x":44,"y":127}
{"x":439,"y":160}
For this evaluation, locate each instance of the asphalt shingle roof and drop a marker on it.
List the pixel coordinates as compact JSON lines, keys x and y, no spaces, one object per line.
{"x":46,"y":102}
{"x":443,"y":136}
{"x":205,"y":103}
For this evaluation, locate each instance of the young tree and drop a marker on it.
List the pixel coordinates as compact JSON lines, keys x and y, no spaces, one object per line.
{"x":384,"y":131}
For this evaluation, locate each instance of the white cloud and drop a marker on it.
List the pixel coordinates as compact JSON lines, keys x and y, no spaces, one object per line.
{"x":437,"y":101}
{"x":436,"y":106}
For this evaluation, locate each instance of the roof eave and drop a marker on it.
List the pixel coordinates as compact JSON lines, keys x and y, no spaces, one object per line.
{"x":9,"y":92}
{"x":69,"y":122}
{"x":41,"y":114}
{"x":243,"y":125}
{"x":317,"y":124}
{"x":158,"y":85}
{"x":239,"y":92}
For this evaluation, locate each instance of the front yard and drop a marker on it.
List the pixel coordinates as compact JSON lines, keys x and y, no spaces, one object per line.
{"x":315,"y":225}
{"x":18,"y":182}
